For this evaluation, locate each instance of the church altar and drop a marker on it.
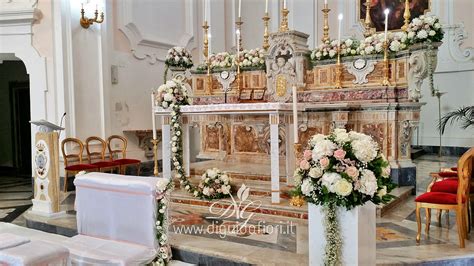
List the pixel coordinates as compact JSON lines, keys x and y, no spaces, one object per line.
{"x":389,"y":113}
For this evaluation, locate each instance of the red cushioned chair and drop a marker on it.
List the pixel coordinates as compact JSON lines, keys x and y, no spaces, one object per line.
{"x":115,"y":153}
{"x":449,"y":201}
{"x":99,"y":156}
{"x":75,"y":158}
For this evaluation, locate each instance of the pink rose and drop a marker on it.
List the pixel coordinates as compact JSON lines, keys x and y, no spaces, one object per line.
{"x":339,"y":154}
{"x":307,"y":155}
{"x":324,"y":162}
{"x":304,"y":165}
{"x":352,"y":172}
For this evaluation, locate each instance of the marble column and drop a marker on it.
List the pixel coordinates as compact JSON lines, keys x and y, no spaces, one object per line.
{"x":166,"y":146}
{"x":275,"y":157}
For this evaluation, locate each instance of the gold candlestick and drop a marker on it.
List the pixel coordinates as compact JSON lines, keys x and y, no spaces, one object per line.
{"x":266,"y":19}
{"x":155,"y":156}
{"x":284,"y":20}
{"x":238,"y":25}
{"x":369,"y":27}
{"x":406,"y":15}
{"x":326,"y":23}
{"x":205,"y":51}
{"x":385,"y":81}
{"x":339,"y":69}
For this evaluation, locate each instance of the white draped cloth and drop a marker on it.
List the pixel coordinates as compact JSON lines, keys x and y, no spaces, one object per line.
{"x":116,"y":217}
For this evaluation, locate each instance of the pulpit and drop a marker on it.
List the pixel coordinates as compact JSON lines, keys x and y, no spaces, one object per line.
{"x":46,"y":169}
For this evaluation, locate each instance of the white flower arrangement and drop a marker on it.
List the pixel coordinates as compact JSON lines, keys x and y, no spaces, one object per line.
{"x":214,"y":184}
{"x":343,"y":169}
{"x":420,"y":30}
{"x":252,"y":58}
{"x":179,"y":57}
{"x":424,"y":29}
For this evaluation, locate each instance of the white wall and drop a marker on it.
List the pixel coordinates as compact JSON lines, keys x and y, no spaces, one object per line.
{"x":136,"y":35}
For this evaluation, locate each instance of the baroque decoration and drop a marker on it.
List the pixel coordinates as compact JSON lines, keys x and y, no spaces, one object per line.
{"x":342,"y":170}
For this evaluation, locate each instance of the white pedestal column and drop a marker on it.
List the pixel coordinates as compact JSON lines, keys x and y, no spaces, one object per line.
{"x":166,"y":146}
{"x":358,"y":233}
{"x":275,"y":157}
{"x":186,"y":147}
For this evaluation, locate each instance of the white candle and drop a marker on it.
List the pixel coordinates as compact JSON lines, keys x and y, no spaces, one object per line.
{"x":295,"y":114}
{"x":325,"y":2}
{"x":237,"y":32}
{"x":386,"y":22}
{"x":340,"y":27}
{"x":205,"y":10}
{"x":266,"y":6}
{"x":284,"y":4}
{"x":153,"y":114}
{"x":240,"y":8}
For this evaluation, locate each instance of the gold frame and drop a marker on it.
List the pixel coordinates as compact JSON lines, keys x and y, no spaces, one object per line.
{"x":362,"y":21}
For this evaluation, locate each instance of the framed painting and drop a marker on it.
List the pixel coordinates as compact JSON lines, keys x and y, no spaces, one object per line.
{"x":397,"y":8}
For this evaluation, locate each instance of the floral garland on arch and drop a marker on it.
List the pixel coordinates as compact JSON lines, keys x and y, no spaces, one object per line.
{"x":214,"y":184}
{"x":163,"y":187}
{"x":343,"y":169}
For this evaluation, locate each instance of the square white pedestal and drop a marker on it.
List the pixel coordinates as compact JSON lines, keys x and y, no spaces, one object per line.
{"x":358,"y":233}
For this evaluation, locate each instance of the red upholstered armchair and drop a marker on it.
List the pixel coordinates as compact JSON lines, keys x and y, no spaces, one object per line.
{"x":97,"y":158}
{"x":120,"y":155}
{"x":73,"y":161}
{"x":449,"y":201}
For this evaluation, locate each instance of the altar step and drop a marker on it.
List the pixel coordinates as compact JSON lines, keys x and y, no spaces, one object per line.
{"x":401,"y":195}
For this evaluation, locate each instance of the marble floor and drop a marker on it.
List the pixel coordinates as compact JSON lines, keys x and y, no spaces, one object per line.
{"x":274,"y":240}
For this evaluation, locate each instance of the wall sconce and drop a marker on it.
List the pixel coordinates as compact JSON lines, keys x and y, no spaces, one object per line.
{"x":86,"y":22}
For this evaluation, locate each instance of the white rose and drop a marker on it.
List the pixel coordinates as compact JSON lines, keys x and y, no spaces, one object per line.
{"x":318,"y":55}
{"x":369,"y":49}
{"x":437,"y":26}
{"x":211,"y":173}
{"x":422,"y":34}
{"x":382,"y":192}
{"x":307,"y":187}
{"x":368,"y":182}
{"x":164,"y":105}
{"x":329,"y":179}
{"x":174,"y":149}
{"x":224,"y":178}
{"x":341,"y":135}
{"x":342,"y":187}
{"x":348,"y":42}
{"x":411,"y":35}
{"x":432,"y":33}
{"x":161,"y":184}
{"x":379,"y":47}
{"x":315,"y":172}
{"x":332,"y":53}
{"x":205,"y":191}
{"x":395,"y":46}
{"x":170,"y":83}
{"x":168,"y":97}
{"x":386,"y":172}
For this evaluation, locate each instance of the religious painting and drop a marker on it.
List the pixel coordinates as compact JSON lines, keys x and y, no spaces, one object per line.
{"x":397,"y":9}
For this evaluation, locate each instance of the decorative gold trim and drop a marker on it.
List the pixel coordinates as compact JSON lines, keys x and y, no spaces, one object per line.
{"x":326,"y":10}
{"x":284,"y":20}
{"x":266,"y":20}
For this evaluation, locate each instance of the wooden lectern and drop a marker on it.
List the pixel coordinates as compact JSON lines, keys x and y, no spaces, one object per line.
{"x":46,"y":169}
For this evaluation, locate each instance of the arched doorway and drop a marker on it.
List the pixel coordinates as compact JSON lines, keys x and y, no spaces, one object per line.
{"x":15,"y":130}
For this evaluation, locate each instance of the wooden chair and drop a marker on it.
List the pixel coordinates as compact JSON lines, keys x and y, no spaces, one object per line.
{"x":115,"y":153}
{"x":103,"y":165}
{"x":70,"y":158}
{"x":449,"y":201}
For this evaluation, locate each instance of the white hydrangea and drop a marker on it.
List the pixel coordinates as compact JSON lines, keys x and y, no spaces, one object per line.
{"x":368,"y":182}
{"x":323,"y":148}
{"x":365,"y":150}
{"x":422,"y":34}
{"x":341,"y":135}
{"x":307,"y":187}
{"x":317,"y":138}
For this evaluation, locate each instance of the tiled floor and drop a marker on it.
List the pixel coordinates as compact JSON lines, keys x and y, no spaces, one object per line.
{"x":265,"y":239}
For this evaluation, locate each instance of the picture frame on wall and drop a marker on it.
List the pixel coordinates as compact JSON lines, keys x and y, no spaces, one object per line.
{"x":397,"y":9}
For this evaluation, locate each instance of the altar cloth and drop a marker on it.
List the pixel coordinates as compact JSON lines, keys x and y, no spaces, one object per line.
{"x":8,"y":240}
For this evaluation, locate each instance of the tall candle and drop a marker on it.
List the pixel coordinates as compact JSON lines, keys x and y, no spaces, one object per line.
{"x":295,"y":114}
{"x":386,"y":22}
{"x":237,"y":32}
{"x":284,"y":4}
{"x":340,"y":27}
{"x":153,"y":114}
{"x":240,"y":8}
{"x":205,"y":10}
{"x":325,"y":2}
{"x":266,"y":6}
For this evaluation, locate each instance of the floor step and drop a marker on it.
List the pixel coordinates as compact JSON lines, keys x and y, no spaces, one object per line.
{"x":401,"y":194}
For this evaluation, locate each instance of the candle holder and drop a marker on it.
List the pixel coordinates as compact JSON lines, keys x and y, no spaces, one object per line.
{"x":284,"y":20}
{"x":386,"y":68}
{"x":406,"y":15}
{"x":155,"y":156}
{"x":238,"y":25}
{"x":369,"y":26}
{"x":266,"y":20}
{"x":326,"y":23}
{"x":339,"y":69}
{"x":206,"y":54}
